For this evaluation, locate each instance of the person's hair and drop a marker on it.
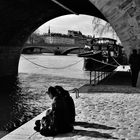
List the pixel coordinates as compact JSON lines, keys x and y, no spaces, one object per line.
{"x":60,"y":88}
{"x":134,"y":51}
{"x":52,"y":91}
{"x":63,"y":92}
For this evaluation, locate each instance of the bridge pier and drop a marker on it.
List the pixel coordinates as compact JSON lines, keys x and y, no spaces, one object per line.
{"x":9,"y":60}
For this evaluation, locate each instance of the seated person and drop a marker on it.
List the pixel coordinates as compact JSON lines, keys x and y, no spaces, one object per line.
{"x":69,"y":101}
{"x":56,"y":119}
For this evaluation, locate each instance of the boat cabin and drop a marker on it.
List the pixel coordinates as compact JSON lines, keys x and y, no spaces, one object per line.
{"x":108,"y":46}
{"x":103,"y":52}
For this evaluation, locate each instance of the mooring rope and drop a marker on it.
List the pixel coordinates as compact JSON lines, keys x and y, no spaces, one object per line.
{"x":116,"y":61}
{"x":52,"y":67}
{"x":103,"y":62}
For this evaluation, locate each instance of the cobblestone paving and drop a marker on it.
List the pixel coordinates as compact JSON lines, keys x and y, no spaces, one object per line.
{"x":120,"y":111}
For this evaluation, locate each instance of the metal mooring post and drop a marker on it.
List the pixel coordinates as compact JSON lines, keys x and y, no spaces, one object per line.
{"x":95,"y":76}
{"x":90,"y":76}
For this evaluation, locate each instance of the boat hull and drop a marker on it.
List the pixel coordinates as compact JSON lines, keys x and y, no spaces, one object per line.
{"x":91,"y":64}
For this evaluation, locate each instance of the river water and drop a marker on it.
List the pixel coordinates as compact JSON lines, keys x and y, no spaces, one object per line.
{"x":68,"y":66}
{"x":26,"y":97}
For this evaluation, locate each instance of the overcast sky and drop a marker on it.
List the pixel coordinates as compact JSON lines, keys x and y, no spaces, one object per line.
{"x":62,"y":24}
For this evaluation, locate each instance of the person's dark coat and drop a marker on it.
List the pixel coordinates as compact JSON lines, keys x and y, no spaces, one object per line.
{"x":134,"y":61}
{"x":134,"y":65}
{"x":71,"y":107}
{"x":69,"y":103}
{"x":60,"y":116}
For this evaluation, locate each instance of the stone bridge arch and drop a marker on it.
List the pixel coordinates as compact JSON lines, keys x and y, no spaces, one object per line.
{"x":19,"y":18}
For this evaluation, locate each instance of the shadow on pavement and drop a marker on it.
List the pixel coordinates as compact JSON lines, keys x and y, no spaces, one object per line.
{"x":94,"y":134}
{"x":93,"y":125}
{"x":89,"y":133}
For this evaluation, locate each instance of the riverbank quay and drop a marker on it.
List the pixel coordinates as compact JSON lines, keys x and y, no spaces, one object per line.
{"x":104,"y":111}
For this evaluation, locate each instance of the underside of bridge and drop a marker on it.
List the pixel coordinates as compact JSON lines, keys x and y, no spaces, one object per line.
{"x":19,"y":18}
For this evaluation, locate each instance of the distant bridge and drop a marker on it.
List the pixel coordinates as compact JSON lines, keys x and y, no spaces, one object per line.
{"x":35,"y":49}
{"x":50,"y":49}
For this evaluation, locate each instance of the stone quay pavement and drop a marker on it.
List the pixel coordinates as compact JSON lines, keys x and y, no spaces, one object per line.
{"x":107,"y":111}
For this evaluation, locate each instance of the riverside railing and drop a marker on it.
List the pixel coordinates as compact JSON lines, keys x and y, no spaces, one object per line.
{"x":100,"y":72}
{"x":98,"y":76}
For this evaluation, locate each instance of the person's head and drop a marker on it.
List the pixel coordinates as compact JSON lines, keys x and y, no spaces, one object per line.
{"x":52,"y":92}
{"x":61,"y":90}
{"x":138,"y":51}
{"x":134,"y":51}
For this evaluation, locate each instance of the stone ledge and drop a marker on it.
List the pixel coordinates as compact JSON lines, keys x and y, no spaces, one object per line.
{"x":25,"y":131}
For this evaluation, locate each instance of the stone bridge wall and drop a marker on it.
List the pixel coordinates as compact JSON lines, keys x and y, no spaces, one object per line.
{"x":9,"y":58}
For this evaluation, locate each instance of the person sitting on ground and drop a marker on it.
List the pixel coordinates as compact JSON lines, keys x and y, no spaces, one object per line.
{"x":56,"y":119}
{"x":69,"y":101}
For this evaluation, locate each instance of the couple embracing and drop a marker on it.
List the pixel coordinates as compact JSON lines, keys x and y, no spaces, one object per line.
{"x":60,"y":117}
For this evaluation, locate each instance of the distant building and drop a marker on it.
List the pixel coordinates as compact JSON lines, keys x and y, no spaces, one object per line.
{"x":72,"y":38}
{"x":35,"y":39}
{"x":58,"y":40}
{"x":73,"y":33}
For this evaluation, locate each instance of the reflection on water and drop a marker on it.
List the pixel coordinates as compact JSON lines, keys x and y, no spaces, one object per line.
{"x":20,"y":102}
{"x":9,"y":102}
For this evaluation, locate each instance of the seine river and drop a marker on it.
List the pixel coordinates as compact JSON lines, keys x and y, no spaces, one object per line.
{"x":68,"y":66}
{"x":27,"y":97}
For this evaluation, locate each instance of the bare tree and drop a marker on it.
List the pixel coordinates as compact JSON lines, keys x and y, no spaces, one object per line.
{"x":96,"y":25}
{"x":100,"y":28}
